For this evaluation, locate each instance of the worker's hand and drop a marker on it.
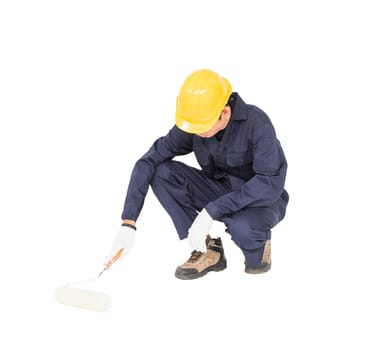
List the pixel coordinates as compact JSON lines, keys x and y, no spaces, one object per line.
{"x":124,"y":239}
{"x":199,"y":230}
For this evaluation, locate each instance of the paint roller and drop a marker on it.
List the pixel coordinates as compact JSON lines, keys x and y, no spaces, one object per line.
{"x":83,"y":298}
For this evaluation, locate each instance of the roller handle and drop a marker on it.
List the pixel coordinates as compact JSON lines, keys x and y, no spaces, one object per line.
{"x":114,"y":259}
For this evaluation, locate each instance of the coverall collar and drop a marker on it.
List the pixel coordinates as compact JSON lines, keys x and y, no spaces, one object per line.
{"x":240,"y":110}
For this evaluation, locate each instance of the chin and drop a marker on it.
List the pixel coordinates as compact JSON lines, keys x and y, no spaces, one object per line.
{"x":205,"y":136}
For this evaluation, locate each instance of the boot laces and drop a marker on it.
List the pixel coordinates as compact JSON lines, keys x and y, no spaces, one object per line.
{"x":195,"y":255}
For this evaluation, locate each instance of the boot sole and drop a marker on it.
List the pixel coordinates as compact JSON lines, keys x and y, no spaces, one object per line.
{"x":258,"y":270}
{"x":221,"y":265}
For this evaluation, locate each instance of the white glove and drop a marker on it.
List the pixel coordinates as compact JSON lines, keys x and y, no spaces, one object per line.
{"x":124,"y":239}
{"x":199,"y":230}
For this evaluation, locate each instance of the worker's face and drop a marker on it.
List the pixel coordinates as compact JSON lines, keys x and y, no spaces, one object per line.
{"x":220,"y":124}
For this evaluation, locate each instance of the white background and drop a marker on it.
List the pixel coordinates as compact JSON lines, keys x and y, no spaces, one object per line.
{"x":86,"y":87}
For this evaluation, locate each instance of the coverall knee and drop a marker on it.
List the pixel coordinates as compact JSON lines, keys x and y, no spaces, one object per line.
{"x":251,"y":227}
{"x":183,"y":191}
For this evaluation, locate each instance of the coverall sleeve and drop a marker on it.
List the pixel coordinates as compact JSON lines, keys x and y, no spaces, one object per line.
{"x":175,"y":143}
{"x":266,"y":186}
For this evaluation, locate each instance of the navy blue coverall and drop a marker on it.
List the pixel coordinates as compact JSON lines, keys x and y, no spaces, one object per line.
{"x":241,"y":181}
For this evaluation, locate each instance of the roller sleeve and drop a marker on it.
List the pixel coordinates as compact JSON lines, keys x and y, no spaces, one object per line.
{"x":82,"y":298}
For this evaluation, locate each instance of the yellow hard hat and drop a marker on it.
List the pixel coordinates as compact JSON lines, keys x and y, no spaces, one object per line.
{"x":201,"y":99}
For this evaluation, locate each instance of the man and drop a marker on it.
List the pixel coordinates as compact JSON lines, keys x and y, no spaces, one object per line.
{"x":241,"y":181}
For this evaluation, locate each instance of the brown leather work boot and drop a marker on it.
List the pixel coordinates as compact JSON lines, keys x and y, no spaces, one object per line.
{"x":199,"y":264}
{"x":265,"y":263}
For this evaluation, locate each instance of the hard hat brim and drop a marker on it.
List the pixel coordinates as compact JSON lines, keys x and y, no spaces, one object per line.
{"x":194,"y":128}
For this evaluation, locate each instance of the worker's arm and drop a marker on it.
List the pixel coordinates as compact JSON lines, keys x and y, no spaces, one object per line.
{"x":267,"y":183}
{"x":175,"y":143}
{"x":129,"y":222}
